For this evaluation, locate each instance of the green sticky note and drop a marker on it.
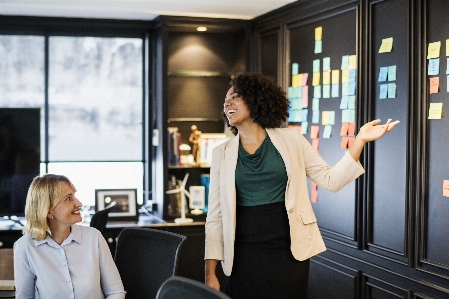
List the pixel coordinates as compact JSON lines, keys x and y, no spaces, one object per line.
{"x":295,"y":68}
{"x":316,"y":66}
{"x":391,"y":90}
{"x":304,"y":127}
{"x":392,"y":73}
{"x":318,"y":46}
{"x":315,"y":104}
{"x":326,"y":91}
{"x":327,"y":133}
{"x":344,"y":62}
{"x":317,"y":91}
{"x":351,"y":102}
{"x":326,"y":63}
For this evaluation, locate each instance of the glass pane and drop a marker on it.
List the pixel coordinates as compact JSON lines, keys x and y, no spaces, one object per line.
{"x":89,"y":176}
{"x":95,"y":99}
{"x":22,"y":77}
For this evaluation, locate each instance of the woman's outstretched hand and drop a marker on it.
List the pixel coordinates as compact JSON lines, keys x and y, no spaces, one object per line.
{"x":373,"y":131}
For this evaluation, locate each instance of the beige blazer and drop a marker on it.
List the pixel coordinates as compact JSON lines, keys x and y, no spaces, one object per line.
{"x":301,"y":160}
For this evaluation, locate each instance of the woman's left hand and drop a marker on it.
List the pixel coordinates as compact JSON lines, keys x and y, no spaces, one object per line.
{"x":373,"y":131}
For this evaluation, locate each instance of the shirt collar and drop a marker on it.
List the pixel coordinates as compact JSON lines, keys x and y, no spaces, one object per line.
{"x":75,"y":235}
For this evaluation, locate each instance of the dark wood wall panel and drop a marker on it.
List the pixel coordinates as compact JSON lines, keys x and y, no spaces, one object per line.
{"x":269,"y":54}
{"x":436,"y":207}
{"x":388,"y":201}
{"x":335,"y":211}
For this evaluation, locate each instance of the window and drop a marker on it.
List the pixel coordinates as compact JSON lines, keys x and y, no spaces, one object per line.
{"x":92,"y":111}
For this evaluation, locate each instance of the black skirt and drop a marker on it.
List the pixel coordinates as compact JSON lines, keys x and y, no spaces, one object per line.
{"x":264,"y":266}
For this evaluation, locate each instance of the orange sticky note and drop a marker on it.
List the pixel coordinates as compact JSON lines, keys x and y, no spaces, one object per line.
{"x":295,"y":127}
{"x":314,"y":186}
{"x":314,"y":132}
{"x":445,"y":188}
{"x":315,"y":143}
{"x":434,"y":84}
{"x":314,"y":196}
{"x":344,"y":143}
{"x":350,"y":141}
{"x":344,"y":129}
{"x":351,"y":129}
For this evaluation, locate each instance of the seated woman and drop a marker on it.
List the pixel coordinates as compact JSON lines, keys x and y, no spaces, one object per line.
{"x":57,"y":258}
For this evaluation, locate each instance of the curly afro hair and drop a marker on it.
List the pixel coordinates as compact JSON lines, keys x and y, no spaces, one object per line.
{"x":266,"y":101}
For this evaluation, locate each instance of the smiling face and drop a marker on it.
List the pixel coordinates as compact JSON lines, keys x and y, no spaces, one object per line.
{"x":67,"y":210}
{"x":236,"y":109}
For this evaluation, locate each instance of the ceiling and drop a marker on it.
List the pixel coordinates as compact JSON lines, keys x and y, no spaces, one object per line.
{"x":141,"y":9}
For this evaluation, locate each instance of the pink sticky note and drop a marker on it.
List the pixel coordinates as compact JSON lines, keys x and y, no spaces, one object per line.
{"x":344,"y":129}
{"x":446,"y":188}
{"x":314,"y":132}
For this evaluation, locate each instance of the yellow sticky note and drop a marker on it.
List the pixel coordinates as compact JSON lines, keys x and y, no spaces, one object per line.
{"x":325,"y":118}
{"x":318,"y":33}
{"x":352,"y":64}
{"x":326,"y":78}
{"x":296,"y":81}
{"x":387,"y":45}
{"x":316,"y":79}
{"x":336,"y":76}
{"x":447,"y":47}
{"x":433,"y":51}
{"x":435,"y":110}
{"x":345,"y":76}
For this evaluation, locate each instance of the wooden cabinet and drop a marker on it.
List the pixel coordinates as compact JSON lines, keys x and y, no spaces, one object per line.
{"x":193,"y":73}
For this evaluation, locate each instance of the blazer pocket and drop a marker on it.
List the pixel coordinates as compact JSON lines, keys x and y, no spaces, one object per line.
{"x":308,"y":217}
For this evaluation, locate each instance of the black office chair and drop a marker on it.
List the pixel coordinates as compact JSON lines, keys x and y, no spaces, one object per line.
{"x":177,"y":287}
{"x":145,"y":258}
{"x":100,"y":218}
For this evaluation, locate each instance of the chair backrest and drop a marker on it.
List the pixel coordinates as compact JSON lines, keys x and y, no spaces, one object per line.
{"x":100,"y":218}
{"x":177,"y":287}
{"x":145,"y":258}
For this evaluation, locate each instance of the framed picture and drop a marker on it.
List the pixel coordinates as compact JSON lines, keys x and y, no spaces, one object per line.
{"x":125,"y":199}
{"x":208,"y":141}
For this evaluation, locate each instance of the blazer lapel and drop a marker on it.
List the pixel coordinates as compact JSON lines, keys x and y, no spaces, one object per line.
{"x":230,"y":161}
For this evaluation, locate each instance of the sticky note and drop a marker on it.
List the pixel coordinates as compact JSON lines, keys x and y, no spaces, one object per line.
{"x":314,"y":130}
{"x":305,"y":76}
{"x":435,"y":110}
{"x":447,"y":47}
{"x":326,"y":63}
{"x":351,"y":129}
{"x":326,"y":91}
{"x":345,"y":76}
{"x":317,"y":91}
{"x":305,"y":103}
{"x":326,"y":78}
{"x":336,"y":76}
{"x":383,"y":72}
{"x":344,"y":129}
{"x":315,"y":116}
{"x":351,"y":102}
{"x":316,"y":79}
{"x":344,"y":102}
{"x":433,"y":68}
{"x":316,"y":66}
{"x":344,"y":62}
{"x":352,"y":75}
{"x":327,"y":133}
{"x":383,"y":91}
{"x":433,"y":50}
{"x":294,"y":115}
{"x":344,"y":143}
{"x":335,"y":90}
{"x":434,"y":84}
{"x":447,"y":83}
{"x":348,"y":115}
{"x":391,"y":90}
{"x":350,"y":141}
{"x":295,"y":68}
{"x":318,"y":46}
{"x":446,"y":188}
{"x":304,"y":127}
{"x":331,"y":118}
{"x":314,"y":195}
{"x":392,"y":73}
{"x":352,"y":63}
{"x":386,"y":46}
{"x":295,"y":103}
{"x":305,"y":93}
{"x":344,"y":89}
{"x":318,"y":33}
{"x":351,"y":88}
{"x":447,"y":66}
{"x":304,"y":114}
{"x":315,"y":104}
{"x":325,"y":118}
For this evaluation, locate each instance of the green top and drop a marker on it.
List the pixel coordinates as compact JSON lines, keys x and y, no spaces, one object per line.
{"x":260,"y":178}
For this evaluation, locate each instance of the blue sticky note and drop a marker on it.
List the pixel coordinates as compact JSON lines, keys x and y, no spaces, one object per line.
{"x":316,"y":117}
{"x":317,"y":91}
{"x":434,"y":67}
{"x":295,"y":68}
{"x":383,"y":73}
{"x":351,"y":88}
{"x":344,"y":102}
{"x":326,"y":63}
{"x":292,"y":115}
{"x":391,"y":90}
{"x":351,"y":102}
{"x":326,"y":91}
{"x":315,"y":104}
{"x":383,"y":91}
{"x":344,"y":89}
{"x":304,"y":114}
{"x":344,"y":62}
{"x":348,"y":116}
{"x":335,"y":90}
{"x":318,"y":46}
{"x":304,"y":127}
{"x":316,"y":66}
{"x":392,"y":73}
{"x":352,"y":75}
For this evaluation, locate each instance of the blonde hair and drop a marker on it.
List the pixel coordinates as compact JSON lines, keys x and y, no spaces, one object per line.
{"x":44,"y":193}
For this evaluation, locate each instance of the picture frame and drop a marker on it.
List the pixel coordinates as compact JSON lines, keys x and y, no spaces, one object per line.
{"x":208,"y":141}
{"x":126,"y":203}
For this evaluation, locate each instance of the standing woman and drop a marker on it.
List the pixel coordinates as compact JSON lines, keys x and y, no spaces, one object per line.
{"x":57,"y":258}
{"x":260,"y":222}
